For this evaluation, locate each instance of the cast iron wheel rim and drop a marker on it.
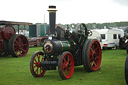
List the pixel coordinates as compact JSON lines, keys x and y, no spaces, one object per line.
{"x":18,"y":46}
{"x":94,"y":55}
{"x":126,"y":69}
{"x":66,"y":65}
{"x":9,"y":31}
{"x":35,"y":68}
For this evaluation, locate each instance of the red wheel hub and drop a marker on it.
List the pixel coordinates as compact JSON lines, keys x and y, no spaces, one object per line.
{"x":37,"y":64}
{"x":95,"y":55}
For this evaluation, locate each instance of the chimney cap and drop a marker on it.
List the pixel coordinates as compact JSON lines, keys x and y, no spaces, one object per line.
{"x":52,"y":8}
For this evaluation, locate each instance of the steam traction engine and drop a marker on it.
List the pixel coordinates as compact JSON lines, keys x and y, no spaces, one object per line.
{"x":66,"y":50}
{"x":10,"y":42}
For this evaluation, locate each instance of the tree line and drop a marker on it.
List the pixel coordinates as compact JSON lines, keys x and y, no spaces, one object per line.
{"x":122,"y":25}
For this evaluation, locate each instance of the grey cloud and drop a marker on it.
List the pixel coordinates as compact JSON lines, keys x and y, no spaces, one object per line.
{"x":122,"y":2}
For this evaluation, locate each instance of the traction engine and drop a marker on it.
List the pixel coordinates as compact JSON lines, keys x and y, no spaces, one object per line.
{"x":10,"y":42}
{"x":66,"y":49}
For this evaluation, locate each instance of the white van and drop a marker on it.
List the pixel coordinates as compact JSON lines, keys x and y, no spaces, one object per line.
{"x":110,"y":37}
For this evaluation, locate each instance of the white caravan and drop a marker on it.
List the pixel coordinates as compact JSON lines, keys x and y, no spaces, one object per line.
{"x":110,"y":37}
{"x":96,"y":35}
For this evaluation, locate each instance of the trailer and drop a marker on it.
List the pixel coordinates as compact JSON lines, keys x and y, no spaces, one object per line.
{"x":110,"y":37}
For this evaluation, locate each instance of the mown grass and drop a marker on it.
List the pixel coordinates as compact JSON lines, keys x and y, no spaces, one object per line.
{"x":15,"y":71}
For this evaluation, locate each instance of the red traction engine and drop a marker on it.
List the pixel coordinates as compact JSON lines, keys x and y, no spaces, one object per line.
{"x":66,"y":50}
{"x":10,"y":42}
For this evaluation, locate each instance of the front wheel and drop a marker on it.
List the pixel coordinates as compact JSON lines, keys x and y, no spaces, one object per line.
{"x":66,"y":65}
{"x":35,"y":68}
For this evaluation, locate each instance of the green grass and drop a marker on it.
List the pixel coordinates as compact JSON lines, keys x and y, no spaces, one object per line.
{"x":15,"y":71}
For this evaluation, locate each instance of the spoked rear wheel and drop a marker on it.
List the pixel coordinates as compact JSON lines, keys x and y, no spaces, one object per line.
{"x":18,"y":45}
{"x":66,"y":65}
{"x":126,"y":69}
{"x":35,"y":68}
{"x":91,"y":55}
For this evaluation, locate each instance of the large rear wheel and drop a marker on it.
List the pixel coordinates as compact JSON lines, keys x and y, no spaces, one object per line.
{"x":18,"y":45}
{"x":66,"y":65}
{"x":91,"y":55}
{"x":35,"y":68}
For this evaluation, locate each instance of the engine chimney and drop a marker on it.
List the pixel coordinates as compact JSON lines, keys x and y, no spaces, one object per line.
{"x":52,"y":19}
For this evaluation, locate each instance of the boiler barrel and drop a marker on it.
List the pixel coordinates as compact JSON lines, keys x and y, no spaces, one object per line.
{"x":55,"y":47}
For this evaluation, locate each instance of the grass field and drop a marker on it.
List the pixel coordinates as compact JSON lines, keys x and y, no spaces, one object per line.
{"x":15,"y":71}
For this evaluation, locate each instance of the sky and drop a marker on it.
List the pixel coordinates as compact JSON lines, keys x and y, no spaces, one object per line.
{"x":69,"y":11}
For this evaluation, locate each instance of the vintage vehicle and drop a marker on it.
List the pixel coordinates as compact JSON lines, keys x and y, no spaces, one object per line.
{"x":66,"y":50}
{"x":36,"y":41}
{"x":10,"y":42}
